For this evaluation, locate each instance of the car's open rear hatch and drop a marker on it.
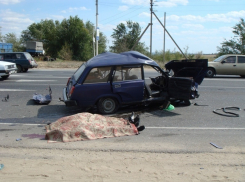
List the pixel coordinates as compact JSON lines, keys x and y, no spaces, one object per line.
{"x":194,"y":68}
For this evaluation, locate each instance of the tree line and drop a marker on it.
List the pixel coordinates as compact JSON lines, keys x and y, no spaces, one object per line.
{"x":72,"y":39}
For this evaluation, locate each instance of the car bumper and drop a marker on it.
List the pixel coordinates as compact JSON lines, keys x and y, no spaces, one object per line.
{"x":7,"y":72}
{"x":34,"y":66}
{"x":67,"y":101}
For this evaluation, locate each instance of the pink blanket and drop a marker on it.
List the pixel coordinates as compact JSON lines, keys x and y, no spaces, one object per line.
{"x":86,"y":126}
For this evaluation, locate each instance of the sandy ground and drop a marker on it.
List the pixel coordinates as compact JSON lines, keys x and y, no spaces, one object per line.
{"x":79,"y":165}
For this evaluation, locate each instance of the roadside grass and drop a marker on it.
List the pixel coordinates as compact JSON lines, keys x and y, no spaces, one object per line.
{"x":58,"y":64}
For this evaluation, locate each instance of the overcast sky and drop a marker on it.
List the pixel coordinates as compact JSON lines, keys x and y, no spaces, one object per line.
{"x":200,"y":25}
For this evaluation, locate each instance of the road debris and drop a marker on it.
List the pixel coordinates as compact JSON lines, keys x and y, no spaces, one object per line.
{"x":1,"y":166}
{"x":196,"y":104}
{"x":41,"y":99}
{"x":6,"y":99}
{"x":228,"y":114}
{"x":170,"y":108}
{"x":216,"y":146}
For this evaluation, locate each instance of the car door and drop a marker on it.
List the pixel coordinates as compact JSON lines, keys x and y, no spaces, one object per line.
{"x":241,"y":65}
{"x":127,"y":82}
{"x":228,"y":66}
{"x":95,"y":85}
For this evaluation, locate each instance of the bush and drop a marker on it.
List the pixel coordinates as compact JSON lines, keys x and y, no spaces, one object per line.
{"x":65,"y":53}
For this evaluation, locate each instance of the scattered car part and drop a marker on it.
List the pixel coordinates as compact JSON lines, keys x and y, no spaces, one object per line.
{"x":216,"y":146}
{"x":6,"y":99}
{"x":41,"y":99}
{"x":228,"y":114}
{"x":196,"y":104}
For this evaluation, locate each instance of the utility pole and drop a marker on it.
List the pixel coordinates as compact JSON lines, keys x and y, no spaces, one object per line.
{"x":164,"y":37}
{"x":151,"y":28}
{"x":97,"y":37}
{"x":93,"y":42}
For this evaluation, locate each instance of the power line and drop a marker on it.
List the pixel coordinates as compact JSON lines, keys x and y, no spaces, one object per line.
{"x":126,"y":13}
{"x":118,"y":14}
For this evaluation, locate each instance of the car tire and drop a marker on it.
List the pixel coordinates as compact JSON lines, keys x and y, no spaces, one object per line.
{"x":5,"y":77}
{"x":243,"y":76}
{"x":25,"y":70}
{"x":210,"y":73}
{"x":107,"y":105}
{"x":19,"y":68}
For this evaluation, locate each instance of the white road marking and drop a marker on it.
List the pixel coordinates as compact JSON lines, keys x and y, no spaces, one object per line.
{"x":22,"y":124}
{"x":36,"y":80}
{"x":15,"y":90}
{"x":226,"y":79}
{"x":218,"y":87}
{"x":46,"y":76}
{"x":194,"y":128}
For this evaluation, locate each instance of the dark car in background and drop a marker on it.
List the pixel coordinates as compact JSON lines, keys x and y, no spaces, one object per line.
{"x":23,"y":60}
{"x":109,"y":81}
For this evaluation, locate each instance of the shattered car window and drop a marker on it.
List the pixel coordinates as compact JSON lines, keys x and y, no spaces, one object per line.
{"x":151,"y":72}
{"x":127,"y":73}
{"x":79,"y":72}
{"x":98,"y":75}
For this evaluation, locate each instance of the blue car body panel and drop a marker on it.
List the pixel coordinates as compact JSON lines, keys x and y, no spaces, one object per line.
{"x":87,"y":95}
{"x":130,"y":91}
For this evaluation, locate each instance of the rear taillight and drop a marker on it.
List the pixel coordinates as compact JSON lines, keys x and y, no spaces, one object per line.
{"x":68,"y":81}
{"x":71,"y":91}
{"x":29,"y":61}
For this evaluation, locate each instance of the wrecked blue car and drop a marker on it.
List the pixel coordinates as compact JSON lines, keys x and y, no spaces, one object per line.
{"x":110,"y":81}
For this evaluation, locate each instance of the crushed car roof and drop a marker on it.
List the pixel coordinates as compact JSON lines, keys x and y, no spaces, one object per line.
{"x":125,"y":58}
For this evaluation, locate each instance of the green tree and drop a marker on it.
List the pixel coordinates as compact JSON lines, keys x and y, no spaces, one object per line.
{"x":125,"y":36}
{"x":69,"y":34}
{"x":17,"y":43}
{"x":73,"y":32}
{"x":237,"y":43}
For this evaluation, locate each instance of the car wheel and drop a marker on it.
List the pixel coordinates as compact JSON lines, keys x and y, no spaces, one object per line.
{"x":107,"y":105}
{"x":25,"y":70}
{"x":5,"y":77}
{"x":210,"y":73}
{"x":243,"y":76}
{"x":19,"y":68}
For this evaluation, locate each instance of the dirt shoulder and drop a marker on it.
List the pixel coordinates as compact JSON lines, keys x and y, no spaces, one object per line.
{"x":22,"y":164}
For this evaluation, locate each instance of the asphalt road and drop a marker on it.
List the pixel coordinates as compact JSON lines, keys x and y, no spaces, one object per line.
{"x":185,"y":129}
